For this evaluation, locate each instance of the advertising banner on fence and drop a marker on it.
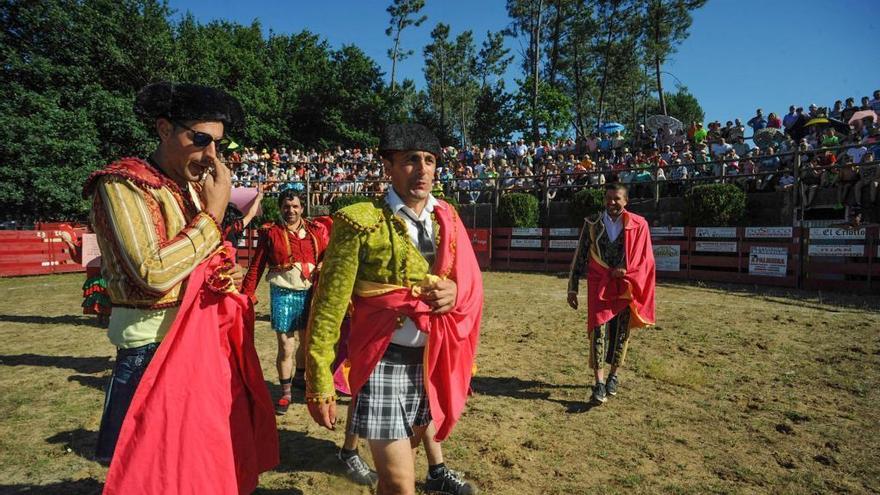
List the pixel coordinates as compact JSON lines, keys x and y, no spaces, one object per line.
{"x":722,"y":232}
{"x":769,"y":232}
{"x":563,"y":243}
{"x":564,"y":232}
{"x":525,"y":243}
{"x":837,"y":233}
{"x":716,"y":247}
{"x":667,"y":258}
{"x":479,"y":240}
{"x":836,"y":250}
{"x":667,"y":231}
{"x":768,"y":261}
{"x":525,"y":232}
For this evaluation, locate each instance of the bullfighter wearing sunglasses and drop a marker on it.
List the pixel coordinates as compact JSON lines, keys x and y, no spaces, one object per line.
{"x":187,"y":409}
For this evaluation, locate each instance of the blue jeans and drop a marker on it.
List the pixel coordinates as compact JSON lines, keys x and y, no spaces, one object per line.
{"x":127,"y":374}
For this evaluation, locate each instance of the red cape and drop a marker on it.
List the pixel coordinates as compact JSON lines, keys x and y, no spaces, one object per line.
{"x":607,"y":296}
{"x":201,"y":420}
{"x":452,"y":337}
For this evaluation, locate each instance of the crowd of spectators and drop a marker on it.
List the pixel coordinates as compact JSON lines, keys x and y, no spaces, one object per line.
{"x":834,"y":153}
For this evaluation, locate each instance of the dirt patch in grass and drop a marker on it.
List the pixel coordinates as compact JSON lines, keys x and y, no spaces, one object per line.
{"x":734,"y":391}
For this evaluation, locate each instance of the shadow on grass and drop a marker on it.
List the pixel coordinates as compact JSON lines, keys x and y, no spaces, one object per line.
{"x":95,"y":382}
{"x":73,"y":487}
{"x":302,"y":453}
{"x":79,"y":364}
{"x":514,"y":388}
{"x":80,"y":441}
{"x":76,"y":320}
{"x":810,"y":299}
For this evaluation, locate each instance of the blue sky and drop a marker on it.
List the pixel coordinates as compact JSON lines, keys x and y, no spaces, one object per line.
{"x":741,"y":54}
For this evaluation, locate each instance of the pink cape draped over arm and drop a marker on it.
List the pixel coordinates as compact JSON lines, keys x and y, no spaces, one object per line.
{"x":201,"y":420}
{"x":608,"y":296}
{"x":452,"y":337}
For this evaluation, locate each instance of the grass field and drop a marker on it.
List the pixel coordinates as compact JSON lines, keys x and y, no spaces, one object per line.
{"x":734,"y":391}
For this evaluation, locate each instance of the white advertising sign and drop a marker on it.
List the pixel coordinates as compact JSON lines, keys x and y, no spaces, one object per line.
{"x":667,"y":231}
{"x":837,"y":233}
{"x":723,"y":232}
{"x":564,"y":232}
{"x":667,"y":258}
{"x":563,"y":244}
{"x":768,"y":261}
{"x":836,"y":250}
{"x":523,"y":232}
{"x":769,"y":232}
{"x":716,"y":247}
{"x":525,"y":243}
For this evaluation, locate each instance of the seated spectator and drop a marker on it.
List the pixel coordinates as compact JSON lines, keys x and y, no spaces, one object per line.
{"x":868,"y":177}
{"x":829,"y":138}
{"x":767,"y":167}
{"x":786,"y":182}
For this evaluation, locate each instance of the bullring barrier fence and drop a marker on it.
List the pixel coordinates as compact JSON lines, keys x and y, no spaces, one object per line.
{"x":817,"y":258}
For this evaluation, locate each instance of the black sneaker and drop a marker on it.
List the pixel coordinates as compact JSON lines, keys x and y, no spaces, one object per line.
{"x":611,"y":385}
{"x":598,"y":396}
{"x":449,"y":482}
{"x":357,"y":470}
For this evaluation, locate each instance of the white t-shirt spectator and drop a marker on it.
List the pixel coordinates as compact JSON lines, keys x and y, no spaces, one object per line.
{"x":720,"y":149}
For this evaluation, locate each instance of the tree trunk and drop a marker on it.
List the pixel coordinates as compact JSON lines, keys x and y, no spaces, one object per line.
{"x":660,"y":86}
{"x":394,"y":60}
{"x":536,"y":52}
{"x":605,"y":63}
{"x":554,"y":48}
{"x":657,"y":57}
{"x":578,"y":90}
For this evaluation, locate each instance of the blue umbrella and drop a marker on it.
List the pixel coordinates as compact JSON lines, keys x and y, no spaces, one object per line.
{"x":610,"y":127}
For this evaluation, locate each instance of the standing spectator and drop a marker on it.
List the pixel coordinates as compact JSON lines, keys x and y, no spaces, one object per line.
{"x":789,"y":119}
{"x":868,"y":177}
{"x":757,"y":122}
{"x":811,"y":178}
{"x":774,"y":121}
{"x":837,"y":110}
{"x":848,"y":110}
{"x":677,"y":175}
{"x":875,"y":102}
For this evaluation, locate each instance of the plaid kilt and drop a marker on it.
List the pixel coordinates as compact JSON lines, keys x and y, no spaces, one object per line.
{"x":391,"y":403}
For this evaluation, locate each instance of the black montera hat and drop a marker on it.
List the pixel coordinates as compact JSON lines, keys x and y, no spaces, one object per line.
{"x":184,"y":102}
{"x":408,"y":137}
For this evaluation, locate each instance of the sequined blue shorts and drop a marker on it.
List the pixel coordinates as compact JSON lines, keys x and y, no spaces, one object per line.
{"x":290,"y":308}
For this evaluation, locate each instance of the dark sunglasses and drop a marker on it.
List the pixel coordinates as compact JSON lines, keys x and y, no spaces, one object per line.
{"x":203,"y":139}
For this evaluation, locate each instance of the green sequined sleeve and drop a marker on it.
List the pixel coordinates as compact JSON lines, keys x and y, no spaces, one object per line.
{"x":331,"y":299}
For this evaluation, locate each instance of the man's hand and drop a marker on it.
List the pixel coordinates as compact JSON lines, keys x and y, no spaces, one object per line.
{"x":237,"y":274}
{"x":324,"y":413}
{"x":573,"y":300}
{"x":217,"y":188}
{"x":618,"y":273}
{"x":442,"y":296}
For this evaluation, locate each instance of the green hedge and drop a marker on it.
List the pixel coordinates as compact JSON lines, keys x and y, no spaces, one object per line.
{"x":271,"y":213}
{"x":347,"y":200}
{"x":518,"y":210}
{"x":586,"y":202}
{"x":715,"y":205}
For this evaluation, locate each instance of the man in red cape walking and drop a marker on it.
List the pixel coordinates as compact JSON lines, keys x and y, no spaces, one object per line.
{"x":187,"y":410}
{"x":615,"y":249}
{"x":417,"y":295}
